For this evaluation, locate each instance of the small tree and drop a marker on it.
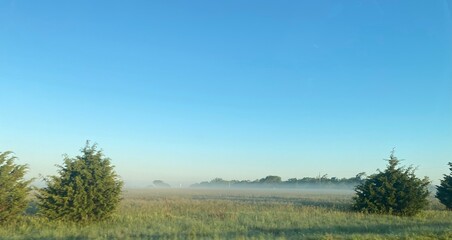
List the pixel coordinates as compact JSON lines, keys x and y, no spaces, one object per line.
{"x":444,"y":190}
{"x":87,"y":188}
{"x":13,"y":188}
{"x":395,"y":191}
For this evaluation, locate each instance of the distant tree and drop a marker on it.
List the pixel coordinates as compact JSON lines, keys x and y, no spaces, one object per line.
{"x":218,"y":180}
{"x":394,"y":191}
{"x":271,"y":179}
{"x":161,"y":184}
{"x":292,"y":180}
{"x":86,"y":189}
{"x":13,"y":188}
{"x":444,"y":190}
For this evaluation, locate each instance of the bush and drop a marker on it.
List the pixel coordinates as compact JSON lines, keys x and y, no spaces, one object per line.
{"x":395,"y":191}
{"x":444,"y":190}
{"x":87,"y":189}
{"x":13,"y":188}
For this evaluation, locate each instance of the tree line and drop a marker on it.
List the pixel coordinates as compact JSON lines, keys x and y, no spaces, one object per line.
{"x":321,"y":181}
{"x":87,"y":189}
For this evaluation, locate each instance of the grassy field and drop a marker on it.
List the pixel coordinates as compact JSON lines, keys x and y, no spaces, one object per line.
{"x":239,"y":214}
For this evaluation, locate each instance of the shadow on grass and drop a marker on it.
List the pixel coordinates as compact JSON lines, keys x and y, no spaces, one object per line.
{"x":380,"y":229}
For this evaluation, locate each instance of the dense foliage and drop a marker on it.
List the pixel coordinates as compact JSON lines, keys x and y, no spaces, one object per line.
{"x":444,"y":190}
{"x":13,"y":188}
{"x":86,"y":189}
{"x":394,"y":191}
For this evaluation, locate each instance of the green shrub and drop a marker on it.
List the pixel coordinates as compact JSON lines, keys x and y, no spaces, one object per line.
{"x":444,"y":190}
{"x":394,"y":191}
{"x":87,"y":189}
{"x":13,"y":188}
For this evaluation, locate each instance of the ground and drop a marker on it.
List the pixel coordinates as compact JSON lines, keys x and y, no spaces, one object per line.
{"x":239,"y":214}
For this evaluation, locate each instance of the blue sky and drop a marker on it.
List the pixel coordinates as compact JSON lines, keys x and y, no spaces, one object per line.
{"x":185,"y":91}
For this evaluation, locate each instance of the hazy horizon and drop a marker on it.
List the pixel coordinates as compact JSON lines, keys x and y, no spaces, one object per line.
{"x":186,"y":92}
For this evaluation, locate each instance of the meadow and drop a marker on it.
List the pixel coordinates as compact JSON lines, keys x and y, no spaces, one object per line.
{"x":239,"y":214}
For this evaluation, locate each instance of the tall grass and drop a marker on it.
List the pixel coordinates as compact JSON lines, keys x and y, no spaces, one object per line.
{"x":239,"y":214}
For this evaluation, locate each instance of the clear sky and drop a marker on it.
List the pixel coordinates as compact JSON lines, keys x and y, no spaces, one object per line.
{"x":186,"y":91}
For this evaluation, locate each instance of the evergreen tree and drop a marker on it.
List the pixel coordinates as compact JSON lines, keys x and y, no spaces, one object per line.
{"x":86,"y":189}
{"x":394,"y":191}
{"x":444,"y":190}
{"x":13,"y":188}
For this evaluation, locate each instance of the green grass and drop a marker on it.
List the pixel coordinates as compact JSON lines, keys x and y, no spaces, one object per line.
{"x":239,"y":214}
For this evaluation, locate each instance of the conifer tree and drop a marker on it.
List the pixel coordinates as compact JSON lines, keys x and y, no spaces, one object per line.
{"x":394,"y":191}
{"x":13,"y":188}
{"x":87,"y":188}
{"x":444,"y":190}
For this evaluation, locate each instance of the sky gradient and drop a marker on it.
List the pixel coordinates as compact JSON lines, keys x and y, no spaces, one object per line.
{"x":186,"y":91}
